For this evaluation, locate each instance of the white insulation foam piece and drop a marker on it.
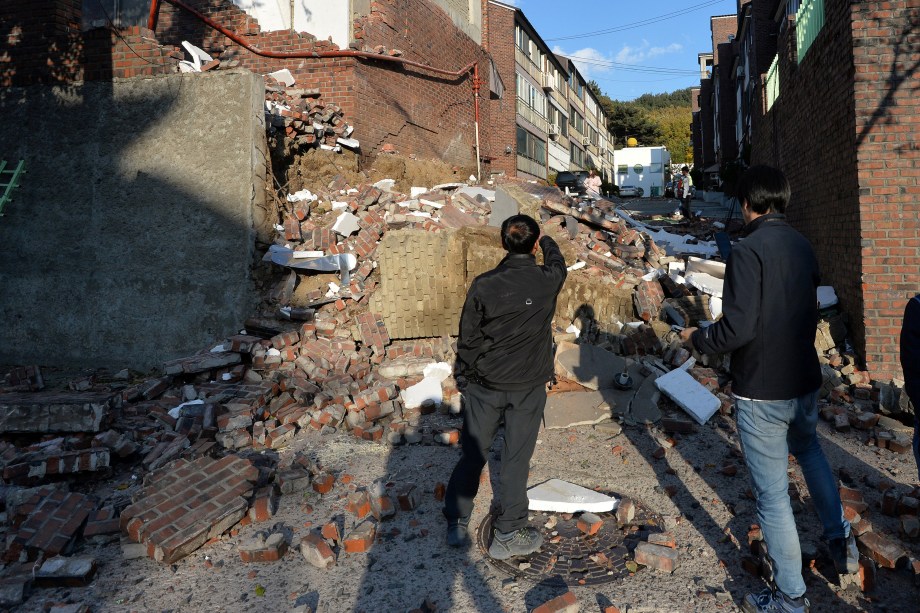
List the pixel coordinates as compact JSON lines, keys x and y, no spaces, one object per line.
{"x":686,"y":391}
{"x":561,"y":496}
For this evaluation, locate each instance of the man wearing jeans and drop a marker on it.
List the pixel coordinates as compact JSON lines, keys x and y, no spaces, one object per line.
{"x":768,"y":322}
{"x":504,"y":360}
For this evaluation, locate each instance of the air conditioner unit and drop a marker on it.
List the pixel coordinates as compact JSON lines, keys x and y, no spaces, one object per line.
{"x":548,"y":81}
{"x":585,"y":141}
{"x":554,"y":129}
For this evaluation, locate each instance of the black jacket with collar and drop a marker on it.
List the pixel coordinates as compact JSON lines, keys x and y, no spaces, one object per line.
{"x":769,"y":313}
{"x":506,"y":340}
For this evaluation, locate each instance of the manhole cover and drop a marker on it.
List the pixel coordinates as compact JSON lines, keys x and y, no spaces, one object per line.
{"x":570,"y":555}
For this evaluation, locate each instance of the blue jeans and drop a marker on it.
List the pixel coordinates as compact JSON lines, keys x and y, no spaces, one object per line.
{"x":770,"y":430}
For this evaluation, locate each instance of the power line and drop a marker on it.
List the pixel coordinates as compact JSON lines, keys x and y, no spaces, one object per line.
{"x":629,"y":67}
{"x":640,"y":23}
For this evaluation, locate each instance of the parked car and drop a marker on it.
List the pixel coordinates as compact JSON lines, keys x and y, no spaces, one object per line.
{"x":573,"y":180}
{"x":630,"y":191}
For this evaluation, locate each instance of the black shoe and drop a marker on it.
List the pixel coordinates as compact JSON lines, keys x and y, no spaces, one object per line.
{"x":844,"y":554}
{"x":521,"y":542}
{"x":458,"y":533}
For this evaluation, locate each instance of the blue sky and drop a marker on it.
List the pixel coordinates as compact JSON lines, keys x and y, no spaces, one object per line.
{"x":648,"y":53}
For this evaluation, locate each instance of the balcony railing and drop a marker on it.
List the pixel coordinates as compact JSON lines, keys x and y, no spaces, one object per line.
{"x":532,"y":116}
{"x":530,"y":167}
{"x":808,"y":22}
{"x":772,"y":87}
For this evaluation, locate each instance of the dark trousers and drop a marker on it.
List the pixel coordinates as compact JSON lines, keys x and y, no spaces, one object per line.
{"x":685,"y":207}
{"x":485,"y":410}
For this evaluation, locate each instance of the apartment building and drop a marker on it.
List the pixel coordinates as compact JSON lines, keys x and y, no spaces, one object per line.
{"x":553,"y":122}
{"x":822,"y":90}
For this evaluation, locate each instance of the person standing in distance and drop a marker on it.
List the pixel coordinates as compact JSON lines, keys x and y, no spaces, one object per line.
{"x":685,"y":184}
{"x":504,"y":360}
{"x":593,"y":184}
{"x":769,"y":319}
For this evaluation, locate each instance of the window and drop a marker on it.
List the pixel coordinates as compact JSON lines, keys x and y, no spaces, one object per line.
{"x":622,"y":169}
{"x":578,"y":156}
{"x":531,"y":96}
{"x":531,"y":147}
{"x":123,"y":13}
{"x":808,"y":23}
{"x":772,"y":87}
{"x":521,"y":39}
{"x":638,"y":168}
{"x":576,"y":121}
{"x":593,"y":136}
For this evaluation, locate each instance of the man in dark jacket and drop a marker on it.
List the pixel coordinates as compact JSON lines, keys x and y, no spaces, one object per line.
{"x":910,"y":364}
{"x":504,"y":360}
{"x":769,"y":317}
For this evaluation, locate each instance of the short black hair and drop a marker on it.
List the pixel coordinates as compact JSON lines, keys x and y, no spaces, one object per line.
{"x":683,"y":168}
{"x":765,"y":189}
{"x":520,"y":233}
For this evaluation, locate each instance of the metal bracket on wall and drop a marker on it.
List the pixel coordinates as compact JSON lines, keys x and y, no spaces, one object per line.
{"x":6,"y":189}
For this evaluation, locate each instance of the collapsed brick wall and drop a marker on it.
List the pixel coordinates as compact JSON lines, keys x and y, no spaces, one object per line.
{"x":840,"y":129}
{"x":420,"y":113}
{"x":333,"y":77}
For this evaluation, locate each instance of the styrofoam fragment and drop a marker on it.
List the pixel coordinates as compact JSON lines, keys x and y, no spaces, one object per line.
{"x":560,"y":496}
{"x":689,"y":394}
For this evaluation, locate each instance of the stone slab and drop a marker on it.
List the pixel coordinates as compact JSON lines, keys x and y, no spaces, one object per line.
{"x":54,"y":412}
{"x":689,"y":394}
{"x":504,"y":206}
{"x":591,"y":366}
{"x":569,"y":409}
{"x":561,"y":496}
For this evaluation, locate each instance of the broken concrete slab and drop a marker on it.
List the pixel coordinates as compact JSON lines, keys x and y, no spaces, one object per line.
{"x":77,"y":571}
{"x":570,"y":409}
{"x":561,"y":496}
{"x":644,"y":408}
{"x":504,"y":206}
{"x":589,"y":365}
{"x":201,"y":362}
{"x":689,"y":394}
{"x":44,"y":412}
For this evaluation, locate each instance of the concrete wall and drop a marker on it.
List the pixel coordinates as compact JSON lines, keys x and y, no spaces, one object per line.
{"x":321,"y":18}
{"x":131,"y":238}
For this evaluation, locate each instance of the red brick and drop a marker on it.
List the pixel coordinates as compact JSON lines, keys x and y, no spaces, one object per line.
{"x":566,"y":603}
{"x":315,"y":550}
{"x":656,"y":556}
{"x":589,"y":524}
{"x":323,"y":483}
{"x":880,"y":549}
{"x":361,"y":539}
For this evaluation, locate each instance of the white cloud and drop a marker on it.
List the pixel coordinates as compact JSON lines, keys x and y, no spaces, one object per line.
{"x":644,"y":52}
{"x":594,"y":64}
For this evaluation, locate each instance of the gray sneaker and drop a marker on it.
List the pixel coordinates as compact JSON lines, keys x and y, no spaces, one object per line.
{"x":769,"y":601}
{"x":844,"y":554}
{"x":521,"y":542}
{"x":458,"y":533}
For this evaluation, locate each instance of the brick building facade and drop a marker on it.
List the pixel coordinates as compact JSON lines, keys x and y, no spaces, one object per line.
{"x":835,"y":109}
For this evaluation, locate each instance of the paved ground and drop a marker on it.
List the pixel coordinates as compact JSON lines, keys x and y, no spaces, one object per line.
{"x":410,"y":564}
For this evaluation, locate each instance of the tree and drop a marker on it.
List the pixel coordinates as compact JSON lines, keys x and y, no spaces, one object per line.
{"x":627,"y":121}
{"x":675,"y":130}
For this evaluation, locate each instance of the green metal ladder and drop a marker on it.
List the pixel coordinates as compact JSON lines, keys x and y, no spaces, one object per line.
{"x":7,"y":187}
